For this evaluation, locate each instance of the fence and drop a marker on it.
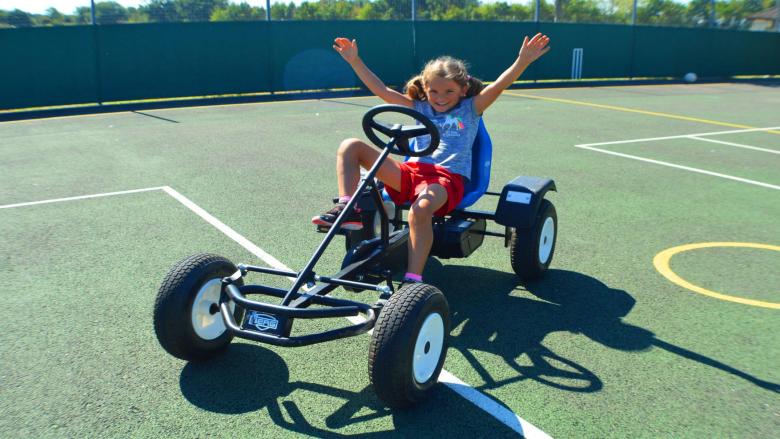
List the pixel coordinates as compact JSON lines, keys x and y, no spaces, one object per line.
{"x":48,"y":66}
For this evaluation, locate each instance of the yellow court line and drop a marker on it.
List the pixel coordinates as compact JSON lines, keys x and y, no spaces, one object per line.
{"x":633,"y":110}
{"x":661,"y":263}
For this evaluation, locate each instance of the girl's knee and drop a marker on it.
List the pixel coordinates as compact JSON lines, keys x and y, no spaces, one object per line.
{"x":348,"y":145}
{"x":421,"y":212}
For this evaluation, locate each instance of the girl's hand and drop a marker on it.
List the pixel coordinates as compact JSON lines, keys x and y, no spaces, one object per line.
{"x":347,"y":49}
{"x":534,"y":48}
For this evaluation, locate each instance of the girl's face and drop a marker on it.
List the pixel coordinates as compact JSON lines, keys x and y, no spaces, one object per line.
{"x":444,"y":94}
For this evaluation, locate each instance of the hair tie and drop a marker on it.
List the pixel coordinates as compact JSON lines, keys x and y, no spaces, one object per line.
{"x":468,"y":77}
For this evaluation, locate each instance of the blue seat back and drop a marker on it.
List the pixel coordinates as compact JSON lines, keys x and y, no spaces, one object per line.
{"x":481,"y":156}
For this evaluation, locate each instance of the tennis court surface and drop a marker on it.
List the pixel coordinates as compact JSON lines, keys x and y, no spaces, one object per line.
{"x":659,"y":316}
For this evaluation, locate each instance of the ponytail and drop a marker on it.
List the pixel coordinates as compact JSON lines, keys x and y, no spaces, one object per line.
{"x":475,"y":86}
{"x":415,"y":90}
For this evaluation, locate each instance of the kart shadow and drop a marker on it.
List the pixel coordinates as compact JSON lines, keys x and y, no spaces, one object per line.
{"x":492,"y":312}
{"x":212,"y":385}
{"x":265,"y":383}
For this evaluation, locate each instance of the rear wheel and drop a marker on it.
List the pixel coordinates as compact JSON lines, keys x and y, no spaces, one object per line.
{"x":187,"y":320}
{"x":409,"y":344}
{"x":531,"y":253}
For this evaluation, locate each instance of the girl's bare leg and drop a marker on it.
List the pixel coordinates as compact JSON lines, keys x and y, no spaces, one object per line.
{"x":354,"y":154}
{"x":421,"y":225}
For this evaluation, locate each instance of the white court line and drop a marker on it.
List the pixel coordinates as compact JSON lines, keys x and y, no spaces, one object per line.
{"x":738,"y":145}
{"x":479,"y":399}
{"x":82,"y":197}
{"x":652,"y":139}
{"x":686,"y":168}
{"x":227,"y":231}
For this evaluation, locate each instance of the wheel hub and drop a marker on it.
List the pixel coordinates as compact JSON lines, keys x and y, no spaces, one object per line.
{"x":206,"y":319}
{"x":428,"y":348}
{"x":546,"y":240}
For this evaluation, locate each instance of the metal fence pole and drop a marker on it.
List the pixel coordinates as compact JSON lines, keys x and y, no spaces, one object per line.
{"x":633,"y":13}
{"x":92,"y":11}
{"x":536,"y":10}
{"x":267,"y":10}
{"x":712,"y":13}
{"x":777,"y":19}
{"x":414,"y":34}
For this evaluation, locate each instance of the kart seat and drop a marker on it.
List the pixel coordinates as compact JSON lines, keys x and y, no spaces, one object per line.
{"x":481,"y":156}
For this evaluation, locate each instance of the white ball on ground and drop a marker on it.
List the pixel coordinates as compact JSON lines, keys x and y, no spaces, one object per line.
{"x":690,"y":77}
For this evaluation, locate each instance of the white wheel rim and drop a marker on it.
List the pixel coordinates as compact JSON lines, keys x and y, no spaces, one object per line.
{"x":428,"y":348}
{"x":546,"y":240}
{"x":208,"y":325}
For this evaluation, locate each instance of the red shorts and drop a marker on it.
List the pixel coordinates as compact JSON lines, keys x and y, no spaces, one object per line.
{"x":416,"y":176}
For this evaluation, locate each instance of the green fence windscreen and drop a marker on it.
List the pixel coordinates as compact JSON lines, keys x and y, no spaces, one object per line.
{"x":304,"y":58}
{"x":88,"y":64}
{"x":488,"y":47}
{"x":47,"y":66}
{"x":184,"y":59}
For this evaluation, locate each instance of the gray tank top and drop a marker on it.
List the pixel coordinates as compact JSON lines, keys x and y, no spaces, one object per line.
{"x":458,"y":129}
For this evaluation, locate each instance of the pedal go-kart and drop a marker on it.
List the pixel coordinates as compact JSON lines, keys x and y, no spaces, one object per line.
{"x":202,"y":302}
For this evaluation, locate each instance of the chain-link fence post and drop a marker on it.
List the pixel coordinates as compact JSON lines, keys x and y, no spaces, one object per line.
{"x":777,"y":18}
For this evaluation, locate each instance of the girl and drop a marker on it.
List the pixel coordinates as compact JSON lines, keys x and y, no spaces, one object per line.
{"x":454,"y":101}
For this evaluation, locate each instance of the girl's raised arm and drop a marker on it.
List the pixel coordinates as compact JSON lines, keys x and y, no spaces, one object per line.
{"x":530,"y":51}
{"x":349,"y":51}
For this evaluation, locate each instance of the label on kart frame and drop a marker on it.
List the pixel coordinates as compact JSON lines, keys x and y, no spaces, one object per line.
{"x":261,"y":321}
{"x":518,"y":197}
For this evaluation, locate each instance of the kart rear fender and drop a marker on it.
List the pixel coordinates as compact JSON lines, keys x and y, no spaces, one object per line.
{"x":520,"y":200}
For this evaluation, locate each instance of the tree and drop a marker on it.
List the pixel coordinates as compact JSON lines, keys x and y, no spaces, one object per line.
{"x":661,"y":12}
{"x":137,"y":15}
{"x":698,"y":13}
{"x":110,"y":13}
{"x":161,"y":10}
{"x":240,"y":12}
{"x":198,"y":10}
{"x":55,"y":17}
{"x":17,"y":18}
{"x":280,"y":11}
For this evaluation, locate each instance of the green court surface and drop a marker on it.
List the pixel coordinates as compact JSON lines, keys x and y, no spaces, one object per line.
{"x":603,"y":346}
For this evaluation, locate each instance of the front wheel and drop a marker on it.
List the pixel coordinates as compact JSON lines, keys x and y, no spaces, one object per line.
{"x":531,"y":253}
{"x":409,"y":345}
{"x":187,"y":320}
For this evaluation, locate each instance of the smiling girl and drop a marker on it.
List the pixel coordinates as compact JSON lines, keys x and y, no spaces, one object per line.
{"x":454,"y":101}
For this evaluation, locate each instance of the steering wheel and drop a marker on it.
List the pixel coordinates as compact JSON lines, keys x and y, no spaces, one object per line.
{"x":400,"y":133}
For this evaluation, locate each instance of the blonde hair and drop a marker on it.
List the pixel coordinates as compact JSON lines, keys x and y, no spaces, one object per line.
{"x":445,"y":67}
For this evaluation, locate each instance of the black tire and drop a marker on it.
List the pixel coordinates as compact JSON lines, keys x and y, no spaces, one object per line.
{"x":409,"y":345}
{"x":531,"y":253}
{"x":194,"y":277}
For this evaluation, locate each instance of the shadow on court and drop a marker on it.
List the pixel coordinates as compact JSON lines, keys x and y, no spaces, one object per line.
{"x":249,"y":377}
{"x":509,"y":326}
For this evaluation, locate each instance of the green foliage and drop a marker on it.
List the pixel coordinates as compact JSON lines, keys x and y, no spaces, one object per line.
{"x":729,"y":13}
{"x":661,"y":12}
{"x":240,"y":12}
{"x":17,"y":18}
